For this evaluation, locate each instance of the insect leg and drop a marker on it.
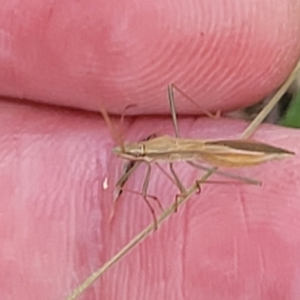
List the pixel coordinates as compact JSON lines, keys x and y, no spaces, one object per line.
{"x":173,"y":109}
{"x":146,"y":195}
{"x":206,"y":112}
{"x":229,"y":175}
{"x":178,"y":183}
{"x":130,"y":167}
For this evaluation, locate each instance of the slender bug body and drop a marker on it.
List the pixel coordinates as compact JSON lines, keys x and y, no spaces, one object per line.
{"x":221,"y":153}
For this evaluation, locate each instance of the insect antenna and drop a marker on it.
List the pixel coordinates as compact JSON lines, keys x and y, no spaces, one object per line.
{"x":118,"y":138}
{"x":118,"y":135}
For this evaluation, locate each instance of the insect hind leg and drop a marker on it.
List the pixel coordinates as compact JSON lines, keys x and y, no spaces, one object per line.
{"x":173,"y":108}
{"x":173,"y":87}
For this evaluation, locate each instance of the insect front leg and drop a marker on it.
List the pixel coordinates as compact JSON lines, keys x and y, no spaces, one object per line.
{"x":130,"y":167}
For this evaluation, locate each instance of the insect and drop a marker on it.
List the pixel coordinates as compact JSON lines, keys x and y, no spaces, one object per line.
{"x":164,"y":216}
{"x":218,"y":153}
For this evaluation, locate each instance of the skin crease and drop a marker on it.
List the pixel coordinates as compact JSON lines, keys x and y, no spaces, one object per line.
{"x":57,"y":220}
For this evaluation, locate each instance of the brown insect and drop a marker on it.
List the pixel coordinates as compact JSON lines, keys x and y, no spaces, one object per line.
{"x":218,"y":153}
{"x":276,"y":153}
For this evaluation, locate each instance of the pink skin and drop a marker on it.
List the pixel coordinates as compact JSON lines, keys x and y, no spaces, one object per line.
{"x":57,"y":221}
